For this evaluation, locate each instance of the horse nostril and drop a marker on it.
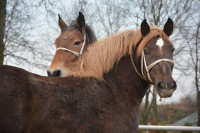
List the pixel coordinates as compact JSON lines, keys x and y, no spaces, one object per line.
{"x":48,"y":73}
{"x":56,"y":73}
{"x":161,"y":85}
{"x":173,"y":85}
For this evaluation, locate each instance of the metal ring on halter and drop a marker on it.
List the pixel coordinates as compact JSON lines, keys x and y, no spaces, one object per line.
{"x":74,"y":52}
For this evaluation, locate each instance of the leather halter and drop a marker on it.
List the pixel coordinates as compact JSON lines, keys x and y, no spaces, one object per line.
{"x":74,"y":52}
{"x":147,"y":68}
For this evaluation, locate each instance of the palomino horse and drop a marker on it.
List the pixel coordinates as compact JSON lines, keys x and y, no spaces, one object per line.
{"x":103,"y":93}
{"x":70,"y":44}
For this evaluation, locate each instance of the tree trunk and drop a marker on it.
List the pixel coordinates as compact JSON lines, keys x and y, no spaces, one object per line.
{"x":198,"y":108}
{"x":2,"y":28}
{"x":154,"y":107}
{"x":197,"y":67}
{"x":145,"y":111}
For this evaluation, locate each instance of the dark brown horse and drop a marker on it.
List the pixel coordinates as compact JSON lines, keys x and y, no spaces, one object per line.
{"x":72,"y":42}
{"x":103,"y":93}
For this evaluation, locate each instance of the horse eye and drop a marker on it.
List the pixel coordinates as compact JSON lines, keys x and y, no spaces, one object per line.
{"x":173,"y":50}
{"x":145,"y":51}
{"x":77,"y":43}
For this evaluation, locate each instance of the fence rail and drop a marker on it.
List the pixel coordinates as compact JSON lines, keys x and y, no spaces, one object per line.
{"x":169,"y":128}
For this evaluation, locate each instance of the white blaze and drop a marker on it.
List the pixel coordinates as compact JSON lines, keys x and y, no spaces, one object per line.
{"x":160,"y":42}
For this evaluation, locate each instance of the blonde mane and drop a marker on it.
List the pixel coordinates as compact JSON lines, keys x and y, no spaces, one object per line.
{"x":101,"y":56}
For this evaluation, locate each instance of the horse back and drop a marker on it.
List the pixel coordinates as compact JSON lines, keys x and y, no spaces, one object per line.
{"x":13,"y":82}
{"x":35,"y":104}
{"x":32,"y":103}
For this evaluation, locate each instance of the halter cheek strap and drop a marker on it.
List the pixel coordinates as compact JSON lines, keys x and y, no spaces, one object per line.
{"x":148,"y":68}
{"x":74,"y":52}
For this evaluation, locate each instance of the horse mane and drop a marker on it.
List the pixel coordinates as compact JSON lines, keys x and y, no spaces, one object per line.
{"x":90,"y":36}
{"x":101,"y":56}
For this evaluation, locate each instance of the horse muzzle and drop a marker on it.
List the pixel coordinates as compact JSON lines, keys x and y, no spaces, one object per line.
{"x":166,"y":89}
{"x":55,"y":73}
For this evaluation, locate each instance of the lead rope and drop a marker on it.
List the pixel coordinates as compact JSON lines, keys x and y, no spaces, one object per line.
{"x":74,"y":52}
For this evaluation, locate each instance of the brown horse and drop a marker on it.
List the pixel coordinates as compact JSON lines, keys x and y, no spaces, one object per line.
{"x":103,"y":93}
{"x":74,"y":39}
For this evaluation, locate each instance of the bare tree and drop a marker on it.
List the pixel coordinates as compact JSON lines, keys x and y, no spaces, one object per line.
{"x":195,"y":55}
{"x":191,"y":69}
{"x":197,"y":70}
{"x":2,"y":28}
{"x":110,"y":16}
{"x":17,"y":45}
{"x":193,"y":65}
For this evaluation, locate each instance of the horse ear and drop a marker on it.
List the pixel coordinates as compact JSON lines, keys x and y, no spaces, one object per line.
{"x":81,"y":22}
{"x":62,"y":24}
{"x":145,"y":29}
{"x":168,"y":28}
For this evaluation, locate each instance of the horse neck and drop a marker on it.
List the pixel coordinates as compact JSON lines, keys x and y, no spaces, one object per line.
{"x":131,"y":86}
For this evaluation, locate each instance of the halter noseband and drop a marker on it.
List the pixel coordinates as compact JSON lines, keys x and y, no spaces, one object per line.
{"x":149,"y":67}
{"x":74,"y":52}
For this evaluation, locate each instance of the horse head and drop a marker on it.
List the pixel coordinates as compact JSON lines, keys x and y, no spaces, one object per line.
{"x":157,"y":59}
{"x":70,"y":45}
